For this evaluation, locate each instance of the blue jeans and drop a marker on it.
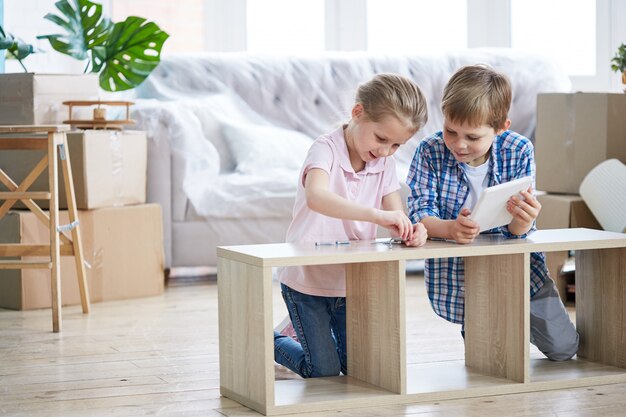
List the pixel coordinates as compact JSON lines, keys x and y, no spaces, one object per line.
{"x":320,"y":323}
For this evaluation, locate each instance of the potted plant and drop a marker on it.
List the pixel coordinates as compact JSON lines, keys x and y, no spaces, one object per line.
{"x":619,"y":63}
{"x":123,"y":54}
{"x":119,"y":56}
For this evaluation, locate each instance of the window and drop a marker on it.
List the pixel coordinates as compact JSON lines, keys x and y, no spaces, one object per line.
{"x":287,"y":26}
{"x":404,"y":26}
{"x":564,"y":29}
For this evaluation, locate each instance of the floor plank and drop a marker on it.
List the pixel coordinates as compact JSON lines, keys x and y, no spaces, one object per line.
{"x":159,"y":356}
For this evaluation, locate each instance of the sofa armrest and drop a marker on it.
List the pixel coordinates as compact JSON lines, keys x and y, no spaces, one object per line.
{"x":159,"y":188}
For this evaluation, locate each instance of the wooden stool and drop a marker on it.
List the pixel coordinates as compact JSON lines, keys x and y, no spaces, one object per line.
{"x":51,"y":138}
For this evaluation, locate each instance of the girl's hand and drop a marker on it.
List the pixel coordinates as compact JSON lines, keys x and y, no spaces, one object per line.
{"x":524,"y":211}
{"x":419,"y":236}
{"x":397,"y":222}
{"x":463,"y":229}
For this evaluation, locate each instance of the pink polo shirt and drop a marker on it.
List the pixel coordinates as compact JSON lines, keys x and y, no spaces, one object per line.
{"x":367,"y":187}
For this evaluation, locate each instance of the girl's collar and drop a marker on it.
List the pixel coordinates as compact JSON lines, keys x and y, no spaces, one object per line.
{"x":340,"y":141}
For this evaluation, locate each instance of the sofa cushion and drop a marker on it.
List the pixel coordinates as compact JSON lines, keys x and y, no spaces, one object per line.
{"x":213,"y":111}
{"x":256,"y":148}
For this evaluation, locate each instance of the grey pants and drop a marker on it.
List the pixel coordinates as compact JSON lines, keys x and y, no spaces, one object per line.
{"x":551,"y":330}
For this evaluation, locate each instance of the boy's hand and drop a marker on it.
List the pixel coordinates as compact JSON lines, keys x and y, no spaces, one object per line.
{"x":524,"y":212}
{"x":397,"y":222}
{"x":463,"y":229}
{"x":419,"y":236}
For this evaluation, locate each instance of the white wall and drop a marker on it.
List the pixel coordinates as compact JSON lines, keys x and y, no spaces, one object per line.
{"x":24,"y":19}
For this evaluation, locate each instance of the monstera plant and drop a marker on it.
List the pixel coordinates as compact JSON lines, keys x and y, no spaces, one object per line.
{"x":16,"y":48}
{"x":122,"y":54}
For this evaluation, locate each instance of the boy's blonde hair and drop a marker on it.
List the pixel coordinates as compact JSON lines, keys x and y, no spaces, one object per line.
{"x":477,"y":95}
{"x":393,"y":95}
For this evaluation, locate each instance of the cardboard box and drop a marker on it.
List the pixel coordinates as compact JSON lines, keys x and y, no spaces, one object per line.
{"x":575,"y":132}
{"x":27,"y":98}
{"x":123,"y":247}
{"x":109,"y":168}
{"x":560,"y":211}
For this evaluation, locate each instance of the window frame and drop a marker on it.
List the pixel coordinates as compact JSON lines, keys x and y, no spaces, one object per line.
{"x":346,"y":30}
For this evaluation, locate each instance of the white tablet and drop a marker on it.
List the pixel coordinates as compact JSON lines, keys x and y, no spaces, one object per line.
{"x":490,"y":210}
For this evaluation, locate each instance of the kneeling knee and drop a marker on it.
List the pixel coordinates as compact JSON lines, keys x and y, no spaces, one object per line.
{"x":563,"y":351}
{"x":323,"y":371}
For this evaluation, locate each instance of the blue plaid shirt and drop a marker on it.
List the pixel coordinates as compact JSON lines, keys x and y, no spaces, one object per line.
{"x":439,"y":188}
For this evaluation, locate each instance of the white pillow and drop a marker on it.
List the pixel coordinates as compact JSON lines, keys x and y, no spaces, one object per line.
{"x":215,"y":110}
{"x":257,"y":148}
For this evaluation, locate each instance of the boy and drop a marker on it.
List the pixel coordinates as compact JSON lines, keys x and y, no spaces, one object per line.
{"x":451,"y":168}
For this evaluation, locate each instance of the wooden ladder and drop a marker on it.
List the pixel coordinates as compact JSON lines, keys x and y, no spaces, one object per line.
{"x":51,"y":138}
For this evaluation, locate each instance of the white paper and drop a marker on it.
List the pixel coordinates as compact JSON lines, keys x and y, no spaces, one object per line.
{"x":604,"y":192}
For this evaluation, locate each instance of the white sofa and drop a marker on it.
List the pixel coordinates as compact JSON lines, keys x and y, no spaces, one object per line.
{"x":227,"y":132}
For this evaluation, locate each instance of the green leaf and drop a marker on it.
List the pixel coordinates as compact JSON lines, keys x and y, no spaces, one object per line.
{"x":619,"y":60}
{"x":6,"y":41}
{"x":131,"y":52}
{"x":16,"y":48}
{"x":84,"y":26}
{"x":22,"y":50}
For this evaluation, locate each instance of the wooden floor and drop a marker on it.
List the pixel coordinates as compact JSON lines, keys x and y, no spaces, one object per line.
{"x":159,"y":357}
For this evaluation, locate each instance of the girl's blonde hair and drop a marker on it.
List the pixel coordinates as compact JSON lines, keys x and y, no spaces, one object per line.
{"x":477,"y":95}
{"x":393,"y":95}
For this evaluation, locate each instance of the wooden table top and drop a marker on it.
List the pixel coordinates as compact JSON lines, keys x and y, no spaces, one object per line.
{"x":288,"y":254}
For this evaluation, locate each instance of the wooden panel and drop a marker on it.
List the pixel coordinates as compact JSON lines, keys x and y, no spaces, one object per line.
{"x":28,"y":264}
{"x":16,"y":195}
{"x":19,"y":249}
{"x":288,"y":254}
{"x":376,"y":324}
{"x":55,"y":259}
{"x":601,"y":305}
{"x":23,"y":143}
{"x":497,"y":315}
{"x":97,"y":102}
{"x":245,"y":334}
{"x":77,"y":243}
{"x":299,"y":396}
{"x":34,"y":128}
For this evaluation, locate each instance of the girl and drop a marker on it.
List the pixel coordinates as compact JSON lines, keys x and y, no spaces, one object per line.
{"x":348,"y":185}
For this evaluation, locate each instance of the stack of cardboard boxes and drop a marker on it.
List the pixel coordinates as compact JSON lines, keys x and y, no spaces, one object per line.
{"x":575,"y":132}
{"x":121,"y":235}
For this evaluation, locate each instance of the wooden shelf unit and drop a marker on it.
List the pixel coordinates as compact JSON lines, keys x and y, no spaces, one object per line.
{"x":497,"y":359}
